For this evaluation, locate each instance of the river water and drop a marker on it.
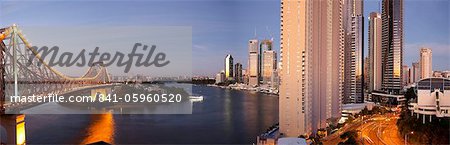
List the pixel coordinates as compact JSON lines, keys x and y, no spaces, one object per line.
{"x":223,"y":117}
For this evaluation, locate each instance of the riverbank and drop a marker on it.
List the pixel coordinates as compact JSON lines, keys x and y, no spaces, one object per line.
{"x":243,"y":87}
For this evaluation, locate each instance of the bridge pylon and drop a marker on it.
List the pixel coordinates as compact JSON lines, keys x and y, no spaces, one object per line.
{"x":14,"y":127}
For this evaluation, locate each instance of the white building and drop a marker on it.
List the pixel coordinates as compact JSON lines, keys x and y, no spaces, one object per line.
{"x":433,"y":98}
{"x":441,"y":74}
{"x":426,"y":70}
{"x":220,"y":77}
{"x":229,"y":67}
{"x":291,"y":141}
{"x":352,"y":109}
{"x":375,"y":52}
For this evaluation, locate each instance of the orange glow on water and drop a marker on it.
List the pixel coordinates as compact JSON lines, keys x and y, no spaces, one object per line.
{"x":100,"y":129}
{"x":20,"y":133}
{"x":20,"y":118}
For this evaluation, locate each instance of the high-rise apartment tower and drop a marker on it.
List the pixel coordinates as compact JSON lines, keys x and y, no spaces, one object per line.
{"x":312,"y":59}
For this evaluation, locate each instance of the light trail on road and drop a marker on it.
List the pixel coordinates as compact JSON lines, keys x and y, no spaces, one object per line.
{"x":379,"y":130}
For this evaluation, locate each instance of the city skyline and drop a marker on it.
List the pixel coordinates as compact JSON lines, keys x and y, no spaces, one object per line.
{"x":321,"y":60}
{"x":262,"y":72}
{"x":423,"y":28}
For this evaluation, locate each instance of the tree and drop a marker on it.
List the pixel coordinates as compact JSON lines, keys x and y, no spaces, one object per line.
{"x":315,"y":140}
{"x":434,"y":132}
{"x":350,"y":136}
{"x":349,"y":119}
{"x":365,"y":111}
{"x":410,"y":94}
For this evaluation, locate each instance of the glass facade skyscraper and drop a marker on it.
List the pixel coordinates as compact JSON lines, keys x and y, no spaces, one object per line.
{"x":229,"y":67}
{"x":392,"y":46}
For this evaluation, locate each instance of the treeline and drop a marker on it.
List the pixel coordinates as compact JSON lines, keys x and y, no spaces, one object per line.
{"x":199,"y":81}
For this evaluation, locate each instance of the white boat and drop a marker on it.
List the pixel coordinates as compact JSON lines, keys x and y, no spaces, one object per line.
{"x":196,"y":98}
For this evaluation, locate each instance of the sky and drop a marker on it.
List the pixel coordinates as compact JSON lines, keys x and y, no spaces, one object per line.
{"x":426,"y":24}
{"x":221,"y":27}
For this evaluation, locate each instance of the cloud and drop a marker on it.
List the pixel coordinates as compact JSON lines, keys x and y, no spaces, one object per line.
{"x":197,"y":47}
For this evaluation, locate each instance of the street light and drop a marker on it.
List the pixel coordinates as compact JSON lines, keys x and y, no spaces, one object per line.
{"x":406,"y":137}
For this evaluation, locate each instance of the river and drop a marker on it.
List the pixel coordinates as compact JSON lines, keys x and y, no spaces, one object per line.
{"x":223,"y":117}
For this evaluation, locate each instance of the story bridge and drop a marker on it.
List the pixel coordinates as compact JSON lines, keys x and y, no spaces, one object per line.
{"x":23,"y":73}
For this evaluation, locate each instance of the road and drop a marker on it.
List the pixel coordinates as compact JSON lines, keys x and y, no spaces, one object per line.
{"x":390,"y":133}
{"x":378,"y":130}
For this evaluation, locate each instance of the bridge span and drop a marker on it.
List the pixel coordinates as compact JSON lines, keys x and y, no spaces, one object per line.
{"x":23,"y":72}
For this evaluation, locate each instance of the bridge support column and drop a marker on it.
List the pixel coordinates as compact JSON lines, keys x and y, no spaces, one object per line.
{"x":15,"y":129}
{"x":98,"y":93}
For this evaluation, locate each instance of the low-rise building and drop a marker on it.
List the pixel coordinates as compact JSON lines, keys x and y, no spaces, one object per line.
{"x":354,"y":108}
{"x":291,"y":141}
{"x":388,"y":100}
{"x":220,"y":77}
{"x":433,"y":98}
{"x":269,"y":138}
{"x":441,"y":74}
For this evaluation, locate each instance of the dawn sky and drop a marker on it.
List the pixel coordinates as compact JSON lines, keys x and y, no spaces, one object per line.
{"x":220,"y":27}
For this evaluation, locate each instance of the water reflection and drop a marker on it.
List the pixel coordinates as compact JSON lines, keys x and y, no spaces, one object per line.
{"x":223,"y":117}
{"x":228,"y":112}
{"x":101,"y":128}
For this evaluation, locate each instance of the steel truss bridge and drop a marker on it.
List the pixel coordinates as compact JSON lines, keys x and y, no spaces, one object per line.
{"x":23,"y":72}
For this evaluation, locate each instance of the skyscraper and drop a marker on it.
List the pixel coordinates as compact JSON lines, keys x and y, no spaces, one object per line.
{"x":244,"y":76}
{"x":220,"y":77}
{"x":425,"y":63}
{"x":266,"y":45}
{"x":312,"y":51}
{"x":353,"y":51}
{"x":375,"y":52}
{"x":405,"y":75}
{"x":415,"y":72}
{"x":253,"y":63}
{"x":392,"y":45}
{"x":238,"y":73}
{"x":410,"y":75}
{"x":269,"y":66}
{"x":366,"y":73}
{"x":229,"y":67}
{"x":275,"y":80}
{"x":253,"y":46}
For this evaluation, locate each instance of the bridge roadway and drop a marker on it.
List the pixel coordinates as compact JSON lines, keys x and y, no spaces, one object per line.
{"x":22,"y":106}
